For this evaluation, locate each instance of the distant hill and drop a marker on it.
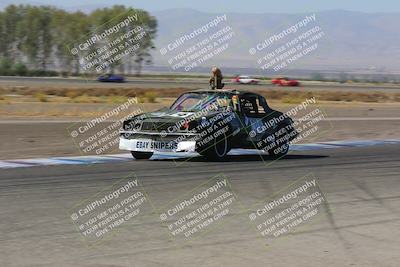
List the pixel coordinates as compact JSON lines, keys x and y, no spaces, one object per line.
{"x":352,"y":41}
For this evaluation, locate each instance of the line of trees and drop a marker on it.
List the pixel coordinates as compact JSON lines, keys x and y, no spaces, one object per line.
{"x":36,"y":40}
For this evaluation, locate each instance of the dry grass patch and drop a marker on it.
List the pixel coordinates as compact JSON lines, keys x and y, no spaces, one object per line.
{"x":41,"y":97}
{"x":151,"y":95}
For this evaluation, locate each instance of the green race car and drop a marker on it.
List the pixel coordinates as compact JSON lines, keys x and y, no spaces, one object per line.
{"x":211,"y":123}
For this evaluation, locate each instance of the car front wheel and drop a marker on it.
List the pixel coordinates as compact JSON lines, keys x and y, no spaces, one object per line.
{"x":141,"y":155}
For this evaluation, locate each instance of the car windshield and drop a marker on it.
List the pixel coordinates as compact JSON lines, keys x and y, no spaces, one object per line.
{"x":192,"y":102}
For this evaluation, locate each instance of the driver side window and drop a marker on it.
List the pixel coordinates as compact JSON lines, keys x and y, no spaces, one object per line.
{"x":252,"y":107}
{"x":249,"y":106}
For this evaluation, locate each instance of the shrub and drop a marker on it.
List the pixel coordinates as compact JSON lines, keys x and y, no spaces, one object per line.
{"x":42,"y":73}
{"x":5,"y":66}
{"x":117,"y":99}
{"x":65,"y":74}
{"x":41,"y":97}
{"x":72,"y":93}
{"x":150,"y":96}
{"x":20,"y":69}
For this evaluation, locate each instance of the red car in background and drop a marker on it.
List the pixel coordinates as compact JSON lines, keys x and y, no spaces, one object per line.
{"x":284,"y":81}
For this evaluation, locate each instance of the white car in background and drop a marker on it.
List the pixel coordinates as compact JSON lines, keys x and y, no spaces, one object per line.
{"x":242,"y":79}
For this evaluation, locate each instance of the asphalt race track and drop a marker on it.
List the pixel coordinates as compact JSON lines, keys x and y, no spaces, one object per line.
{"x":359,"y":226}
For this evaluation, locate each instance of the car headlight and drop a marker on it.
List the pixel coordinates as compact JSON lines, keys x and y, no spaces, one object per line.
{"x":127,"y":125}
{"x":132,"y":125}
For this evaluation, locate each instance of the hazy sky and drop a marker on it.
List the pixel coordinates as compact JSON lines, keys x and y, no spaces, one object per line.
{"x":218,"y":6}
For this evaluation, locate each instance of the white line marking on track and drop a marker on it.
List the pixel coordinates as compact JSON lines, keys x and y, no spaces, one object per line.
{"x":78,"y":160}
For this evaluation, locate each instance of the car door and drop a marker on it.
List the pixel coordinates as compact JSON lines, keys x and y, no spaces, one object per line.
{"x":251,"y":117}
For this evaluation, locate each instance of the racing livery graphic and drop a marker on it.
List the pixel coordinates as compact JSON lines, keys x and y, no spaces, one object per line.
{"x":211,"y":123}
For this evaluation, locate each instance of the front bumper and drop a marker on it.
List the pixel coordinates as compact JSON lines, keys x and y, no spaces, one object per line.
{"x":154,"y":142}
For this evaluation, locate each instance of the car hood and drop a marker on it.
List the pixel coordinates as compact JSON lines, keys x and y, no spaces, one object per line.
{"x":164,"y":119}
{"x":174,"y":115}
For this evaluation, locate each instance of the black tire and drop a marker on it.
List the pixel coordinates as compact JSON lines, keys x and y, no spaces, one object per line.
{"x":218,"y":148}
{"x":279,"y":151}
{"x":141,"y":155}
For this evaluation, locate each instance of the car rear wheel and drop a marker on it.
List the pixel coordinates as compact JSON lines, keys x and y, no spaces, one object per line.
{"x":281,"y":149}
{"x":141,"y":155}
{"x":218,"y":148}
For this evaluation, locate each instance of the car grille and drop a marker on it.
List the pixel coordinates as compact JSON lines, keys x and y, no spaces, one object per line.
{"x":157,"y":126}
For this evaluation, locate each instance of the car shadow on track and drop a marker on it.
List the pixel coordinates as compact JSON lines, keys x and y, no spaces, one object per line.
{"x":244,"y":158}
